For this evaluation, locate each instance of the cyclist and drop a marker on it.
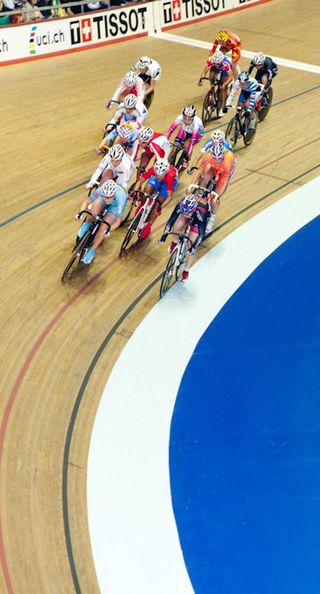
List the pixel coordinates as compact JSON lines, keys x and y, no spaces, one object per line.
{"x":218,"y":165}
{"x":217,"y":136}
{"x":191,"y":130}
{"x":228,"y":42}
{"x":193,"y":210}
{"x":217,"y":64}
{"x":161,"y":177}
{"x":130,"y":84}
{"x":150,"y":72}
{"x":267,"y":69}
{"x":154,"y":144}
{"x":111,"y":199}
{"x":250,"y":92}
{"x":115,"y":165}
{"x":131,"y":110}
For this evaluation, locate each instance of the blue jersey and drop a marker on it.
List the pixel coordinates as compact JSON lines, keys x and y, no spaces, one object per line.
{"x":117,"y":205}
{"x":207,"y":147}
{"x":249,"y":92}
{"x":129,"y":144}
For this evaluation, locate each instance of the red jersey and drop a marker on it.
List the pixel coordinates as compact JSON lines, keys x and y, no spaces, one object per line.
{"x":168,"y":178}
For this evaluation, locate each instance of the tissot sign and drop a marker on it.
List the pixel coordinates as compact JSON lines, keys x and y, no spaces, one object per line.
{"x":108,"y":25}
{"x":180,"y":11}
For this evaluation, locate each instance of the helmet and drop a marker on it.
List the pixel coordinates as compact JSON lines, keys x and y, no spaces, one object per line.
{"x":130,"y":101}
{"x":188,"y":204}
{"x":109,"y":188}
{"x":222,"y":36}
{"x":130,"y":79}
{"x":217,"y":136}
{"x":161,"y":167}
{"x":217,"y":58}
{"x":189,"y":111}
{"x":146,"y":134}
{"x":124,"y":131}
{"x":218,"y":150}
{"x":244,"y":76}
{"x":116,"y":152}
{"x":258,"y":59}
{"x":143,"y":63}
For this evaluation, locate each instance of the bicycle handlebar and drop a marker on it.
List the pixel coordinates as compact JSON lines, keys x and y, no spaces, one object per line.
{"x":96,"y":217}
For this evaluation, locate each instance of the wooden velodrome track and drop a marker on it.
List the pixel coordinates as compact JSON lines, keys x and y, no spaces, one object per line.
{"x":59,"y":342}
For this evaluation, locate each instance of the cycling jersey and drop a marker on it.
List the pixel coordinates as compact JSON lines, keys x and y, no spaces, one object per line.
{"x":169,"y":179}
{"x":194,"y":131}
{"x":225,"y":67}
{"x":152,"y":73}
{"x":197,"y":221}
{"x":121,"y":173}
{"x":249,"y":92}
{"x":209,"y":144}
{"x":232,"y":44}
{"x":158,"y":146}
{"x":122,"y":90}
{"x":139,"y":113}
{"x":117,"y":205}
{"x":269,"y":68}
{"x":223,"y":168}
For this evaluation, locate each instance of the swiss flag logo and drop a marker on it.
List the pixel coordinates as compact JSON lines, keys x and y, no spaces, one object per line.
{"x":176,"y":10}
{"x":86,"y":33}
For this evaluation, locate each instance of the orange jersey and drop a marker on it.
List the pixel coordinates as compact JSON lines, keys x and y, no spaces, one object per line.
{"x":232,"y":44}
{"x":224,"y":168}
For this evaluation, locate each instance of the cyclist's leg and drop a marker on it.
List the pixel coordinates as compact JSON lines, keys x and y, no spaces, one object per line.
{"x":190,"y":255}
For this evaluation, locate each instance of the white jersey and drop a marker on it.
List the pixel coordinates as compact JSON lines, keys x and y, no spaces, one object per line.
{"x":139,"y":113}
{"x":121,"y":173}
{"x":138,"y":89}
{"x":195,"y":126}
{"x":152,"y":73}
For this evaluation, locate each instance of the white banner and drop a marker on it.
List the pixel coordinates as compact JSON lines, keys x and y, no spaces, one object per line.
{"x":46,"y":37}
{"x":176,"y":12}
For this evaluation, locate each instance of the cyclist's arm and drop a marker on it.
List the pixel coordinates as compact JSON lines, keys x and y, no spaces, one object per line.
{"x":172,"y":128}
{"x":251,"y":67}
{"x":236,"y":54}
{"x":118,"y":92}
{"x":214,"y":47}
{"x":171,"y":221}
{"x":98,"y":172}
{"x":140,"y":88}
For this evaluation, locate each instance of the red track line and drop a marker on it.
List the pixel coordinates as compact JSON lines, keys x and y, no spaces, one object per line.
{"x":38,"y":343}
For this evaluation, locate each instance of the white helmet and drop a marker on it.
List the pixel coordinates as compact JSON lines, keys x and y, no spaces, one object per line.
{"x":146,"y":135}
{"x":244,"y":76}
{"x":217,"y":58}
{"x":188,"y":204}
{"x":143,"y":63}
{"x":109,"y":188}
{"x":217,"y":136}
{"x":161,"y":167}
{"x":125,"y":132}
{"x":189,"y":111}
{"x":218,"y":150}
{"x":130,"y":101}
{"x":258,"y":59}
{"x":116,"y":152}
{"x":130,"y":78}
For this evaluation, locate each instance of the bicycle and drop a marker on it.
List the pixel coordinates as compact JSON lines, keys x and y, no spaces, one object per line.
{"x":177,"y":261}
{"x":239,"y":126}
{"x":178,"y":157}
{"x":133,"y":197}
{"x":212,"y":101}
{"x":84,"y":243}
{"x":263,"y":104}
{"x":140,"y":219}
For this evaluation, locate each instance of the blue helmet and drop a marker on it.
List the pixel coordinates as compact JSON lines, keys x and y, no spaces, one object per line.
{"x":188,"y":204}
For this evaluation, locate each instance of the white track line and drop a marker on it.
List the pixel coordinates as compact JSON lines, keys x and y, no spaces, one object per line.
{"x":206,"y":45}
{"x":134,"y":538}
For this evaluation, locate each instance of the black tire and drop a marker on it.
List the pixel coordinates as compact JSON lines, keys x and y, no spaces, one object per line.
{"x":218,"y":95}
{"x":182,"y":260}
{"x":232,"y":133}
{"x":148,"y":99}
{"x":77,"y":253}
{"x":169,"y":277}
{"x":180,"y":161}
{"x":174,"y":155}
{"x":262,"y":114}
{"x":208,"y":108}
{"x":130,"y":233}
{"x":130,"y":205}
{"x":249,"y":134}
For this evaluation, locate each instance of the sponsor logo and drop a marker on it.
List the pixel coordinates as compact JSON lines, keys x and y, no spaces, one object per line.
{"x":4,"y":46}
{"x":181,"y":10}
{"x":39,"y":39}
{"x":108,"y":25}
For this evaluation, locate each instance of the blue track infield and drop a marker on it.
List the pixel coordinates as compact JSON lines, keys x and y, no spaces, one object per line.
{"x":245,"y":434}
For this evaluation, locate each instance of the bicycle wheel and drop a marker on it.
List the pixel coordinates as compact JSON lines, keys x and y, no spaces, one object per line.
{"x":130,"y":205}
{"x":174,"y":155}
{"x":77,"y":253}
{"x":148,"y":99}
{"x":249,"y":133}
{"x":181,"y":161}
{"x":208,"y":107}
{"x":132,"y":229}
{"x":232,"y":132}
{"x":218,"y":95}
{"x":169,"y":277}
{"x":182,"y":260}
{"x":266,"y":104}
